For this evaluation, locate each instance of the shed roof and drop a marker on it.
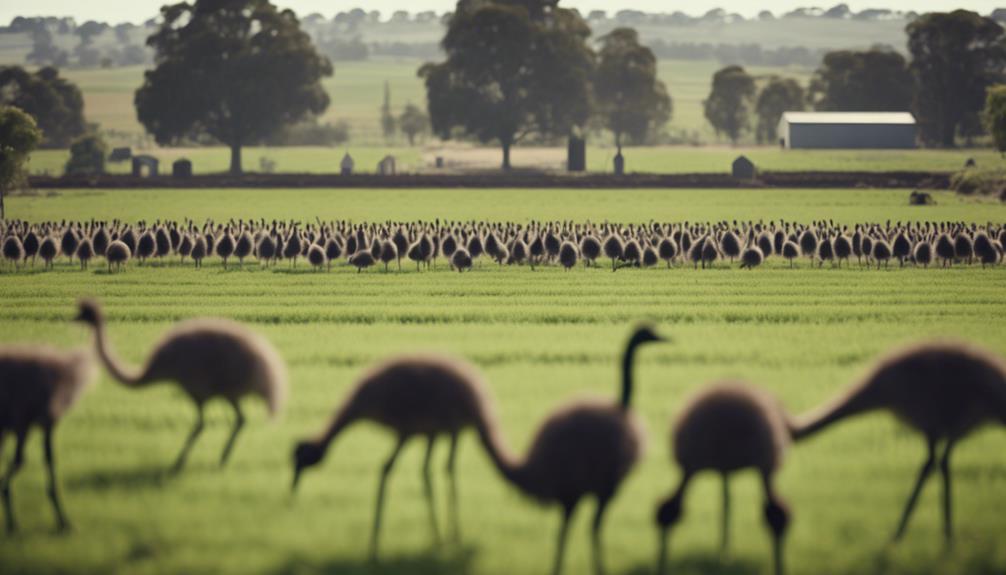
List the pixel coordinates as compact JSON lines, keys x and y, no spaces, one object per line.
{"x":882,"y":118}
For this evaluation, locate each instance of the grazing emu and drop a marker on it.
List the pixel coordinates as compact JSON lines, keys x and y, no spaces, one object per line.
{"x":362,"y":259}
{"x":13,"y":250}
{"x":790,"y":251}
{"x":316,"y":257}
{"x":207,"y":358}
{"x":584,"y":448}
{"x":85,"y":251}
{"x":945,"y":249}
{"x":923,"y":253}
{"x":752,"y":257}
{"x":199,"y":251}
{"x":117,"y":254}
{"x":881,"y":253}
{"x":568,"y":255}
{"x":613,"y":248}
{"x":48,"y":251}
{"x":38,"y":387}
{"x":667,"y":250}
{"x":842,"y":249}
{"x":590,"y":248}
{"x":461,"y":260}
{"x":942,"y":390}
{"x":411,"y":396}
{"x":728,"y":428}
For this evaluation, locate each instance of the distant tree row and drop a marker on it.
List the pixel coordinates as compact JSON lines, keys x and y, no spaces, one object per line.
{"x":955,"y":59}
{"x":517,"y":68}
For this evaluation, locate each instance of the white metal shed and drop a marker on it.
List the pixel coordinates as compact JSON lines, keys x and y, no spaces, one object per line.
{"x":847,"y":130}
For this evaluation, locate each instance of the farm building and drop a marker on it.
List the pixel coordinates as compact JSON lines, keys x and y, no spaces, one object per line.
{"x":847,"y":130}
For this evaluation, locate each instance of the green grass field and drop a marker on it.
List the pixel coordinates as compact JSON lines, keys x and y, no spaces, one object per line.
{"x":541,"y":338}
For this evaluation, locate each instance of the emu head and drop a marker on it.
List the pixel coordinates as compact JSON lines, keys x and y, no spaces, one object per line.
{"x":89,"y":312}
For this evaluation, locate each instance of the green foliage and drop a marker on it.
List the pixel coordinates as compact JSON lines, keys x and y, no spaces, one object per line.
{"x":876,"y":80}
{"x":956,"y":56}
{"x":995,"y":116}
{"x":986,"y":182}
{"x":728,"y":107}
{"x":413,"y":122}
{"x":779,"y":96}
{"x":630,"y":98}
{"x":509,"y":74}
{"x":56,"y":104}
{"x":87,"y":155}
{"x":238,"y":71}
{"x":19,"y":135}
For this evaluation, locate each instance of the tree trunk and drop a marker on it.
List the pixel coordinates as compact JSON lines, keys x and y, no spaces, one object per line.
{"x":506,"y":156}
{"x":3,"y":214}
{"x":235,"y":159}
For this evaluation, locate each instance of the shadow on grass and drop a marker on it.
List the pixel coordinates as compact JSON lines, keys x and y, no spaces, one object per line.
{"x":129,"y":479}
{"x":704,"y":564}
{"x":449,"y":562}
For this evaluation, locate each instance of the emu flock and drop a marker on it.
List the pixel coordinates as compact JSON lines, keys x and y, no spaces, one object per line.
{"x":584,"y":449}
{"x":462,"y":244}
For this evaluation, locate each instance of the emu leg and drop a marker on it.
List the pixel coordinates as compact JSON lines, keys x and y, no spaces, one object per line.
{"x":15,"y":466}
{"x":927,"y":468}
{"x":53,"y":490}
{"x":239,"y":422}
{"x":595,"y":535}
{"x":455,"y":529}
{"x":428,"y":490}
{"x":948,"y":531}
{"x":725,"y":525}
{"x":669,"y":514}
{"x":190,"y":441}
{"x":560,"y":549}
{"x":777,"y":517}
{"x":385,"y":472}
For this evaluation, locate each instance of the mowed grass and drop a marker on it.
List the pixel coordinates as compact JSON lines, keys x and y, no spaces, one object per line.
{"x":541,"y":338}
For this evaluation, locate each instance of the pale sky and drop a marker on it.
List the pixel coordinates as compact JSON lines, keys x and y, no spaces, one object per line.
{"x":114,"y":11}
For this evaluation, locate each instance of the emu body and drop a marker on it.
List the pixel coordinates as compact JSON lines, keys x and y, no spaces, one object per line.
{"x":37,"y":388}
{"x":942,"y":390}
{"x":207,"y":358}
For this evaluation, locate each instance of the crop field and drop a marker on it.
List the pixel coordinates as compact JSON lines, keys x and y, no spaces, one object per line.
{"x":540,"y":338}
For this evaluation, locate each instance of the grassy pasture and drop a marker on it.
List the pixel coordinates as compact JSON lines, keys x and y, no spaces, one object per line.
{"x":540,"y":338}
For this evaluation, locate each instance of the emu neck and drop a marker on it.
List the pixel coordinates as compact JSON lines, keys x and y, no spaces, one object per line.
{"x":627,"y":360}
{"x":124,"y":375}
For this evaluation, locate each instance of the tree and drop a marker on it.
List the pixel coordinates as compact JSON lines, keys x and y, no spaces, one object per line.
{"x":876,"y":80}
{"x":413,"y":122}
{"x":87,"y":156}
{"x":630,"y":98}
{"x":18,"y":137}
{"x":956,"y":56}
{"x":779,"y":96}
{"x":56,"y":104}
{"x":387,"y":118}
{"x":729,"y":105}
{"x":995,"y":116}
{"x":237,"y":70}
{"x":509,"y":74}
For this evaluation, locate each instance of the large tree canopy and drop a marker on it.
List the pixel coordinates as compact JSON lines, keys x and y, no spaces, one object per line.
{"x":238,"y":70}
{"x":956,"y":56}
{"x":871,"y":81}
{"x":728,"y":107}
{"x":630,"y":98}
{"x":56,"y":104}
{"x":779,"y":96}
{"x":510,"y":72}
{"x":18,"y":137}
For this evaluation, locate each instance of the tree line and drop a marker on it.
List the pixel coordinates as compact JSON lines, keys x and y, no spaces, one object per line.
{"x":955,"y":59}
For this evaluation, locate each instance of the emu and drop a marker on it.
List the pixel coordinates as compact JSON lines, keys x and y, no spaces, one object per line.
{"x":207,"y":358}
